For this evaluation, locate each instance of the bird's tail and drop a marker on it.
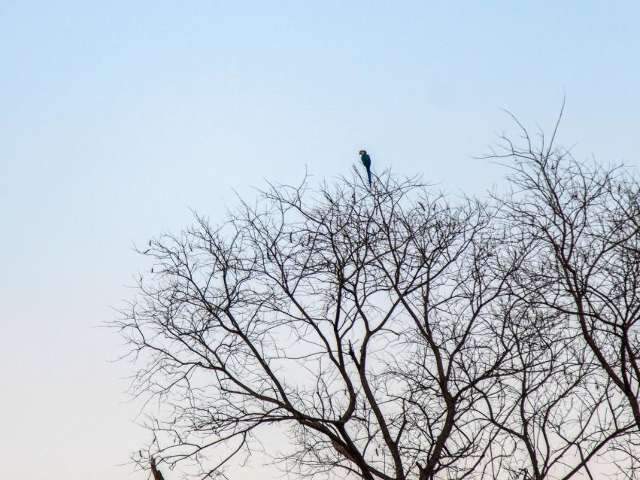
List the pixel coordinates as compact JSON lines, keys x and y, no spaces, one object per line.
{"x":369,"y":175}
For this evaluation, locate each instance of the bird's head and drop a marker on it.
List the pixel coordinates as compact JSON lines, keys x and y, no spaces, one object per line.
{"x":362,"y":152}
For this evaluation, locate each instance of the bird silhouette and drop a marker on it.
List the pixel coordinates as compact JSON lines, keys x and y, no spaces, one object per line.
{"x":366,"y":161}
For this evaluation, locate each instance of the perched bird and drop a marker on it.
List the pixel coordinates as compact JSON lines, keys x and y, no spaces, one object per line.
{"x":366,"y":161}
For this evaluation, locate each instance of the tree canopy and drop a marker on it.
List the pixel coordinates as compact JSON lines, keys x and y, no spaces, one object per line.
{"x":395,"y":333}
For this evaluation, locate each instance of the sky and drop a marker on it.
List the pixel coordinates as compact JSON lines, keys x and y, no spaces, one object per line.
{"x":118,"y":119}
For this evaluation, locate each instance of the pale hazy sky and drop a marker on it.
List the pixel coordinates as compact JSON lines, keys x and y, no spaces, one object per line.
{"x":117,"y":118}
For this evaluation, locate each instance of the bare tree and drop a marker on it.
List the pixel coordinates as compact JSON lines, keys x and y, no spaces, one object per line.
{"x":363,"y":321}
{"x":584,"y":220}
{"x":391,"y":334}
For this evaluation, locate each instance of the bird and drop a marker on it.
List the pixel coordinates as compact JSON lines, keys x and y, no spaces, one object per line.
{"x":366,"y":161}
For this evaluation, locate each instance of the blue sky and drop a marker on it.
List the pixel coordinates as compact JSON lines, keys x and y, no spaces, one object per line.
{"x":117,"y":118}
